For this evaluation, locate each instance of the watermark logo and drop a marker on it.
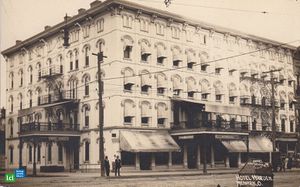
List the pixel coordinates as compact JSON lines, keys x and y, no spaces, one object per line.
{"x":10,"y":178}
{"x":20,"y":173}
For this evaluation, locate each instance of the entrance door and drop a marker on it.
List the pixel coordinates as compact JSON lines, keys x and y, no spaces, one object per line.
{"x":75,"y":147}
{"x":192,"y":155}
{"x":233,"y":160}
{"x":145,"y":161}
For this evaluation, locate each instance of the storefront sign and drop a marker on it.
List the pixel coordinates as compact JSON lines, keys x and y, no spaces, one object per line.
{"x":227,"y":137}
{"x":253,"y":180}
{"x":186,"y":137}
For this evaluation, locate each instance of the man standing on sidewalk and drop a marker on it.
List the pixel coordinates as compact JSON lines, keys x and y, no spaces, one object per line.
{"x":118,"y":166}
{"x":107,"y":166}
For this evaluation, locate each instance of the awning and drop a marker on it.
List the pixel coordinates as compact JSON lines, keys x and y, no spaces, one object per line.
{"x":177,"y":57}
{"x":260,"y":144}
{"x":145,"y":50}
{"x":161,"y":52}
{"x":233,"y":93}
{"x":234,"y":145}
{"x":146,"y":80}
{"x":147,"y":141}
{"x":191,"y":86}
{"x":162,"y":82}
{"x":191,"y":58}
{"x":177,"y":84}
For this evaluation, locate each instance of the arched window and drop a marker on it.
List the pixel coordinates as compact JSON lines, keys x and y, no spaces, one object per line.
{"x":162,"y":114}
{"x":30,"y":98}
{"x":11,"y":154}
{"x":86,"y":115}
{"x":205,"y":89}
{"x":87,"y":151}
{"x":21,"y":77}
{"x":191,"y":58}
{"x":76,"y":59}
{"x":161,"y":53}
{"x":129,"y":79}
{"x":49,"y":152}
{"x":20,"y":97}
{"x":177,"y":56}
{"x":38,"y":66}
{"x":145,"y":49}
{"x":30,"y":74}
{"x":127,"y":46}
{"x":191,"y":87}
{"x":218,"y":90}
{"x":86,"y":55}
{"x":129,"y":111}
{"x":204,"y":61}
{"x":177,"y":85}
{"x":100,"y":45}
{"x":11,"y":80}
{"x":73,"y":88}
{"x":282,"y":100}
{"x":11,"y":125}
{"x":11,"y":102}
{"x":30,"y":153}
{"x":86,"y":79}
{"x":162,"y":83}
{"x":145,"y":81}
{"x":232,"y":93}
{"x":71,"y":60}
{"x":49,"y":62}
{"x":38,"y":92}
{"x":60,"y":153}
{"x":145,"y":112}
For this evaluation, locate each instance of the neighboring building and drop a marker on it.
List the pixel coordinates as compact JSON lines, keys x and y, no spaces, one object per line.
{"x":2,"y":139}
{"x":177,"y":92}
{"x":297,"y":92}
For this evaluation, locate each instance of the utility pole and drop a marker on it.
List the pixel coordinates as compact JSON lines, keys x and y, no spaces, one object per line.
{"x":101,"y":113}
{"x":273,"y":107}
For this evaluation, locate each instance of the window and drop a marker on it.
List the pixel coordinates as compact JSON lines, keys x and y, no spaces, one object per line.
{"x":100,"y":25}
{"x":39,"y":71}
{"x":127,"y":119}
{"x":291,"y":126}
{"x":282,"y":105}
{"x":86,"y":79}
{"x":231,"y":99}
{"x":160,"y":29}
{"x":204,"y":96}
{"x":175,"y":32}
{"x":161,"y":121}
{"x":11,"y":78}
{"x":160,"y":91}
{"x":86,"y":31}
{"x":189,"y":35}
{"x":218,"y":97}
{"x":39,"y":153}
{"x":74,"y":36}
{"x":144,"y":25}
{"x":145,"y":50}
{"x":10,"y":123}
{"x":71,"y":61}
{"x":21,"y":77}
{"x":218,"y":71}
{"x":73,"y":88}
{"x":127,"y":21}
{"x":11,"y":155}
{"x":87,"y":151}
{"x":204,"y":68}
{"x":129,"y":111}
{"x":11,"y":101}
{"x":291,"y":105}
{"x":145,"y":112}
{"x":76,"y":60}
{"x":86,"y":54}
{"x":30,"y":154}
{"x":290,"y":83}
{"x":191,"y":94}
{"x":176,"y":57}
{"x":30,"y":99}
{"x":49,"y":152}
{"x":30,"y":74}
{"x":60,"y":153}
{"x":86,"y":110}
{"x":282,"y":125}
{"x":127,"y":52}
{"x":21,"y":101}
{"x":128,"y":79}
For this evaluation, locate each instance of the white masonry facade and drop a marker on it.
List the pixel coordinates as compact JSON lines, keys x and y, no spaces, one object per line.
{"x":178,"y":93}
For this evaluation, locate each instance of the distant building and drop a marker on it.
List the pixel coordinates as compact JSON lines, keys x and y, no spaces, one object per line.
{"x":177,"y":92}
{"x":297,"y":93}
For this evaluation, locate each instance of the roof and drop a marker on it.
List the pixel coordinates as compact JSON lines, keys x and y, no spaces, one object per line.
{"x":103,"y":6}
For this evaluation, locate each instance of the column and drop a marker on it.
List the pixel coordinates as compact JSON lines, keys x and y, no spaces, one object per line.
{"x":185,"y":156}
{"x":239,"y":160}
{"x":227,"y":164}
{"x":137,"y":161}
{"x":212,"y":156}
{"x":270,"y":157}
{"x":170,"y":160}
{"x":198,"y":156}
{"x":153,"y":161}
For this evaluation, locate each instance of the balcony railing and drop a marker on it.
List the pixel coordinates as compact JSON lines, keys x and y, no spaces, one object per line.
{"x":258,"y":102}
{"x":44,"y":127}
{"x":213,"y":125}
{"x":57,"y":97}
{"x":50,"y":71}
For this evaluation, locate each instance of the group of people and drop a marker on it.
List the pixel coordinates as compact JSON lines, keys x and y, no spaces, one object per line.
{"x":116,"y":166}
{"x":285,"y":162}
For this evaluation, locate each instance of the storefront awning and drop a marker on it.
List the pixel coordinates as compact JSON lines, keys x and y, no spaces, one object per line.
{"x":260,"y":144}
{"x":151,"y":141}
{"x":235,"y":145}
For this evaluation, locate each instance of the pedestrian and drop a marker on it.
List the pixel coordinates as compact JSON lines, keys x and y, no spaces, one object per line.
{"x":107,"y":166}
{"x":117,"y":166}
{"x":289,"y":163}
{"x":282,"y":166}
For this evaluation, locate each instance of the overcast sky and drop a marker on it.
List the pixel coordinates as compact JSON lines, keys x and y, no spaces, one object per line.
{"x":21,"y":19}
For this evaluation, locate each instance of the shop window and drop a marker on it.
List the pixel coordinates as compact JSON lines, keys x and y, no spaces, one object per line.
{"x":161,"y":158}
{"x":128,"y":158}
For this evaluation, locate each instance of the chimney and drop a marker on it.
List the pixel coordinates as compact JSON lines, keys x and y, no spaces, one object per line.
{"x":95,"y":3}
{"x":81,"y":10}
{"x":47,"y":27}
{"x":18,"y":42}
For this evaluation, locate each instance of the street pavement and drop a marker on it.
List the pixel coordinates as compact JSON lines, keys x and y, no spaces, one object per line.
{"x":150,"y":179}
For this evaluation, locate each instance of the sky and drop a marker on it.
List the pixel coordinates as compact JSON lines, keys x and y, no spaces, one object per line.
{"x":273,"y":19}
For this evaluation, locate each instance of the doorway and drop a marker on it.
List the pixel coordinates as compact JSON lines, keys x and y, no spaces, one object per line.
{"x":192,"y":155}
{"x":145,"y":161}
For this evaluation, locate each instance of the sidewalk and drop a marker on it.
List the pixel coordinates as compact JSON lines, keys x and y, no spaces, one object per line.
{"x":151,"y":173}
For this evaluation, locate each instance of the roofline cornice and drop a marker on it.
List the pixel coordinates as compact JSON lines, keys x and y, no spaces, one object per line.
{"x":106,"y":5}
